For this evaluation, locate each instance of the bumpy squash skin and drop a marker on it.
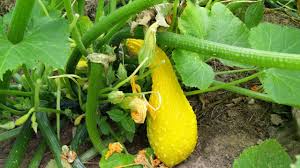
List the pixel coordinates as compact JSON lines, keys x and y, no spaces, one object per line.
{"x":172,"y":133}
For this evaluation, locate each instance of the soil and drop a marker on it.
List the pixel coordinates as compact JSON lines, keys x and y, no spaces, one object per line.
{"x":227,"y":123}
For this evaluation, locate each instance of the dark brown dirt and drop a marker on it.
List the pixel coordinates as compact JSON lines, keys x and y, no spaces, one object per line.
{"x":5,"y":6}
{"x":228,"y":123}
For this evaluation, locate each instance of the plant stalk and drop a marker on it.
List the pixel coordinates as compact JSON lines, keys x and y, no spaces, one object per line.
{"x":246,"y":92}
{"x":20,"y":19}
{"x":247,"y":56}
{"x":217,"y":87}
{"x":10,"y":134}
{"x":105,"y":24}
{"x":96,"y":82}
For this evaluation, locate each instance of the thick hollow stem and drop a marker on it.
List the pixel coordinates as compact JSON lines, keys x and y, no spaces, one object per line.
{"x":49,"y":136}
{"x":96,"y":82}
{"x":243,"y":55}
{"x":20,"y":19}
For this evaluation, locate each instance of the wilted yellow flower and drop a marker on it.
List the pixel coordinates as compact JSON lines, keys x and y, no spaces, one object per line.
{"x":115,"y":147}
{"x":68,"y":154}
{"x":138,"y":108}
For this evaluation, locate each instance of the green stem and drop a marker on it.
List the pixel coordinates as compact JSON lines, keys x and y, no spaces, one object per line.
{"x":37,"y":94}
{"x":217,"y":87}
{"x":96,"y":82}
{"x":100,"y":10}
{"x":11,"y":110}
{"x":111,"y":33}
{"x":38,"y":155}
{"x":81,"y":4}
{"x":28,"y":77}
{"x":17,"y":153}
{"x":20,"y":19}
{"x":234,"y":71}
{"x":107,"y":23}
{"x":49,"y":136}
{"x":88,"y":155}
{"x":43,"y":7}
{"x":174,"y":17}
{"x":4,"y":84}
{"x":112,"y":5}
{"x":10,"y":134}
{"x":58,"y":97}
{"x":243,"y":55}
{"x":246,"y":92}
{"x":80,"y":137}
{"x":50,"y":110}
{"x":15,"y":93}
{"x":75,"y":33}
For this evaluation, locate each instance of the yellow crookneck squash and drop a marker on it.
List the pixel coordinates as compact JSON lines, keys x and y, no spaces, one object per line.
{"x":172,"y":129}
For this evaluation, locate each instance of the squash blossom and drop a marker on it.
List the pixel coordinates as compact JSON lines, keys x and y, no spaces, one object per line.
{"x":115,"y":147}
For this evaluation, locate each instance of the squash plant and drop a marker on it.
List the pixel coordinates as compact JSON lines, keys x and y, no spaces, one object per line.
{"x":57,"y":63}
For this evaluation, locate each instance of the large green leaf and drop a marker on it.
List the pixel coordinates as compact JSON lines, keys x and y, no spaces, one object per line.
{"x":192,"y":69}
{"x":271,"y":37}
{"x":218,"y":25}
{"x":281,"y":85}
{"x":47,"y":43}
{"x":269,"y":154}
{"x":194,"y":21}
{"x":226,"y":28}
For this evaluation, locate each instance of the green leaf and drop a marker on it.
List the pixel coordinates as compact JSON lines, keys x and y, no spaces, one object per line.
{"x":226,"y":28}
{"x":47,"y":44}
{"x":116,"y":115}
{"x":193,"y":71}
{"x":269,"y":154}
{"x":110,"y":75}
{"x":194,"y":21}
{"x":104,"y":126}
{"x":129,"y":136}
{"x":128,"y":124}
{"x":117,"y":160}
{"x":220,"y":25}
{"x":271,"y":37}
{"x":254,"y":14}
{"x":282,"y":85}
{"x":122,"y":72}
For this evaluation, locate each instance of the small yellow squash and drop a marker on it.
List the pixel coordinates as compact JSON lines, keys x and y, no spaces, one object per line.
{"x":172,"y":129}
